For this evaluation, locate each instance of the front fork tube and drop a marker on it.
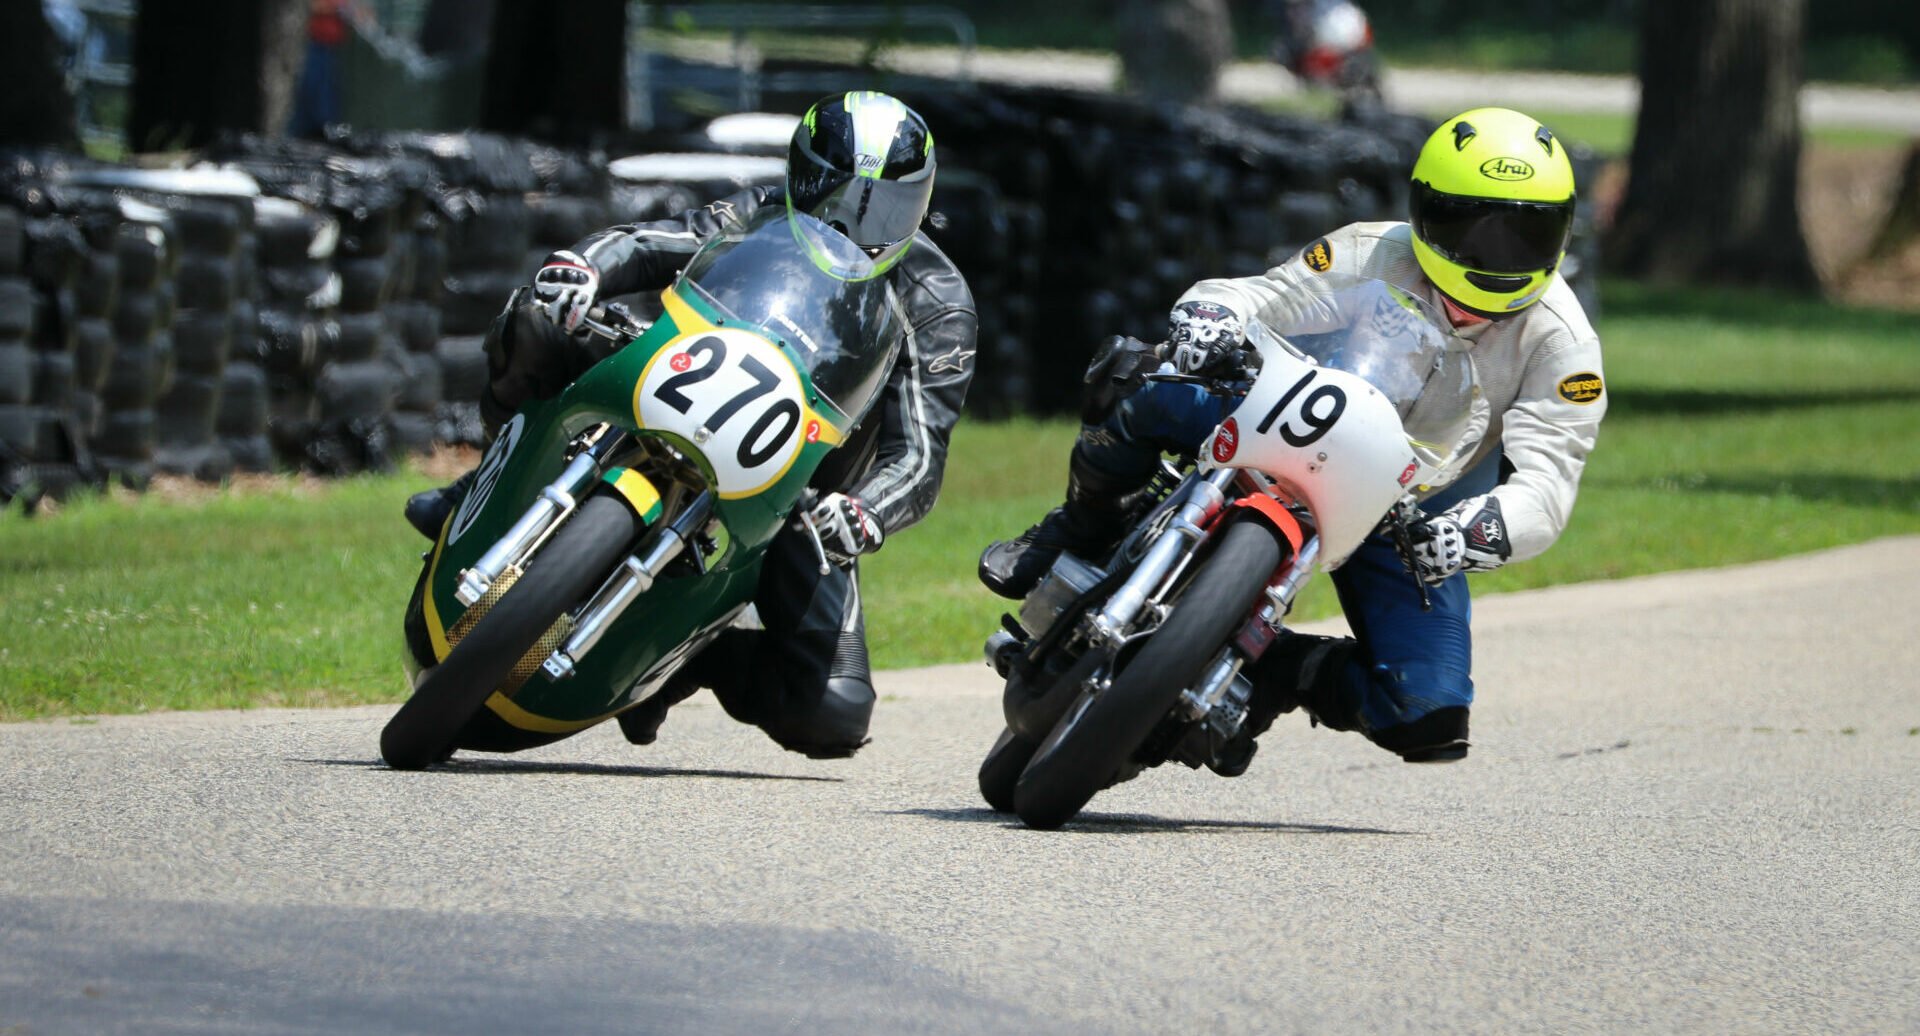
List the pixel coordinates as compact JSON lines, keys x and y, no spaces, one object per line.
{"x":1169,"y":552}
{"x":555,"y":502}
{"x":1222,"y":684}
{"x":633,"y":578}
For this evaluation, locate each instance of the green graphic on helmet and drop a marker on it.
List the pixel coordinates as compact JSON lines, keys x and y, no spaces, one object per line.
{"x":1492,"y":210}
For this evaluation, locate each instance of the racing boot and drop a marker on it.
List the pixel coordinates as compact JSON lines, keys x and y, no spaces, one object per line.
{"x":1306,"y":671}
{"x":1282,"y":679}
{"x":641,"y":724}
{"x":1088,"y":525}
{"x":428,"y":509}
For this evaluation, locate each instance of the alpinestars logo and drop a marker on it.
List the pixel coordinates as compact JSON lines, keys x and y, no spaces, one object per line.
{"x":954,"y":361}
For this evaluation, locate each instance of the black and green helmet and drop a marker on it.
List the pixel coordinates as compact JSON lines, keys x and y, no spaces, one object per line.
{"x":863,"y":164}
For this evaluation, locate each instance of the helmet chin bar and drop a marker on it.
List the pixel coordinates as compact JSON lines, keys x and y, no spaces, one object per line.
{"x":1483,"y":314}
{"x":873,"y":251}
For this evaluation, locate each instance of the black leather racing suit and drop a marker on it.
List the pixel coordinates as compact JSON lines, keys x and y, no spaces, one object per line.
{"x":804,"y":677}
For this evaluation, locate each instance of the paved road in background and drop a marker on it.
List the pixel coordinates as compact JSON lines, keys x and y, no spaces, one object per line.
{"x":1431,"y":91}
{"x":1693,"y":806}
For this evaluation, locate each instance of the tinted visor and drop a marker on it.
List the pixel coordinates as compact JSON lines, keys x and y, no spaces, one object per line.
{"x":875,"y":213}
{"x":1492,"y":236}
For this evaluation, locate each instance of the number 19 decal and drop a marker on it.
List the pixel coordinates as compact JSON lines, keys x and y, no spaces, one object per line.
{"x":1318,"y":412}
{"x":734,"y":395}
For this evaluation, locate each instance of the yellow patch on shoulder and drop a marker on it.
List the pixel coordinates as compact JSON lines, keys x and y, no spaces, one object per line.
{"x":1582,"y":388}
{"x":1318,"y":256}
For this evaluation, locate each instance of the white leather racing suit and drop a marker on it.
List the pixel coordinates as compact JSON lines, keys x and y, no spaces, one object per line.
{"x":1539,"y":370}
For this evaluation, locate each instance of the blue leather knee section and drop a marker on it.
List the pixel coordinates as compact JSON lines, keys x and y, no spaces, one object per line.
{"x":1410,"y":662}
{"x":1161,"y":417}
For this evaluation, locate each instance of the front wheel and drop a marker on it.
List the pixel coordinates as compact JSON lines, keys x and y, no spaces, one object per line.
{"x":573,"y":564}
{"x":1098,"y":735}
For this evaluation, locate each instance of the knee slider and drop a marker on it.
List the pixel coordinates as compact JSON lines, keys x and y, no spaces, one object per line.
{"x":835,"y":728}
{"x":1439,"y":736}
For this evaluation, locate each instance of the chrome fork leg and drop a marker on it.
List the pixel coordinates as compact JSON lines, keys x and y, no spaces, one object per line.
{"x":1184,"y":532}
{"x":633,"y":578}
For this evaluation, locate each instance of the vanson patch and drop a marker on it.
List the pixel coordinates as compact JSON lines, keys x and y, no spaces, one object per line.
{"x":1318,"y":256}
{"x":1583,"y":388}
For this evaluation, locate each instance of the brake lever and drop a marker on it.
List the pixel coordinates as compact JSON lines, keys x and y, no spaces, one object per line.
{"x":614,"y":322}
{"x":1399,"y":522}
{"x":807,"y":500}
{"x":1213,"y":386}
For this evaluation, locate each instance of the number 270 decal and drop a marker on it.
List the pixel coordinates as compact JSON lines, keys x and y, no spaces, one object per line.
{"x":1318,"y":411}
{"x":768,"y":432}
{"x":733,"y":394}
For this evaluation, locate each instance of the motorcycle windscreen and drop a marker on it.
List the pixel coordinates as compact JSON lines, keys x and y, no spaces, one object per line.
{"x":809,"y":287}
{"x":1400,"y":346}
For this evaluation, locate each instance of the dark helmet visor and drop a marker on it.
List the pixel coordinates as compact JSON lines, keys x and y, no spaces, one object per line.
{"x":1490,"y":235}
{"x":873,"y":213}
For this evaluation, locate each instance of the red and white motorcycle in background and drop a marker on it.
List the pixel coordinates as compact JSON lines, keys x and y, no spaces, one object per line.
{"x":1328,"y":45}
{"x":1351,"y":400}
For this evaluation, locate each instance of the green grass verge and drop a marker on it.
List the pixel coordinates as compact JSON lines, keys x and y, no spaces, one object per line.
{"x":1743,"y":427}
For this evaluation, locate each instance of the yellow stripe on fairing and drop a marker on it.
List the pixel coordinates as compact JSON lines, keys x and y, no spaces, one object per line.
{"x":685,"y":317}
{"x":436,"y":630}
{"x":520,"y":719}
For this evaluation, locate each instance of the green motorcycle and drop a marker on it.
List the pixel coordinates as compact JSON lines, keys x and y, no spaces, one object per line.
{"x":613,"y":531}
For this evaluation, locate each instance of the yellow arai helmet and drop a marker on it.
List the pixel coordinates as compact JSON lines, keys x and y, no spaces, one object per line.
{"x":1492,"y":210}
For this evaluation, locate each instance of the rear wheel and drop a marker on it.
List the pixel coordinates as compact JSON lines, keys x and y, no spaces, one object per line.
{"x":1001,"y":769}
{"x":1100,"y":732}
{"x":573,"y":564}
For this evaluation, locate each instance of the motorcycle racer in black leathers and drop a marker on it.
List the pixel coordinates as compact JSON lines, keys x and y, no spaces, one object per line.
{"x":864,"y":164}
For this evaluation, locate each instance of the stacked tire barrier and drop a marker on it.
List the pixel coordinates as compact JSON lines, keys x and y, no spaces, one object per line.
{"x":299,"y":294}
{"x":19,"y":425}
{"x":141,"y":369}
{"x":55,"y":254}
{"x":477,"y":240}
{"x":243,"y":412}
{"x":329,"y":267}
{"x":211,"y":281}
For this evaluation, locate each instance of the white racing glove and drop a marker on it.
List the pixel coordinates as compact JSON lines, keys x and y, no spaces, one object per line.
{"x":566,"y":287}
{"x":1203,"y":336}
{"x":1470,"y":536}
{"x":845,"y":528}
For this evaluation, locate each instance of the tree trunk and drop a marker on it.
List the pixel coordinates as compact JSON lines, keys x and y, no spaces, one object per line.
{"x":204,"y":66}
{"x":1173,"y":50}
{"x":557,"y":70}
{"x":1712,"y":194}
{"x":35,"y":107}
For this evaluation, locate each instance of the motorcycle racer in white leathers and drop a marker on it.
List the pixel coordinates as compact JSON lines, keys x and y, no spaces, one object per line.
{"x":1492,"y":205}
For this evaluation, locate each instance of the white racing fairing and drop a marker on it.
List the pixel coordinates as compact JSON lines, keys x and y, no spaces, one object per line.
{"x":1361,"y":398}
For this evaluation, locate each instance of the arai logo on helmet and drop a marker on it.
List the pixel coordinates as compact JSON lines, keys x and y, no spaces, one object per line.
{"x":1227,"y":441}
{"x":1509,"y":169}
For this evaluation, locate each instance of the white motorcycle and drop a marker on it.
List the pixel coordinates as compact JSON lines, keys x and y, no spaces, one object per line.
{"x":1351,"y":401}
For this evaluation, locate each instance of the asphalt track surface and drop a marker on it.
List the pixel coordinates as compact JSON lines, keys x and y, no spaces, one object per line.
{"x":1693,"y":806}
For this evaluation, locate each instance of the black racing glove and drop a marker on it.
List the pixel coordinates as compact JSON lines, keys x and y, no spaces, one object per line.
{"x":1119,"y":367}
